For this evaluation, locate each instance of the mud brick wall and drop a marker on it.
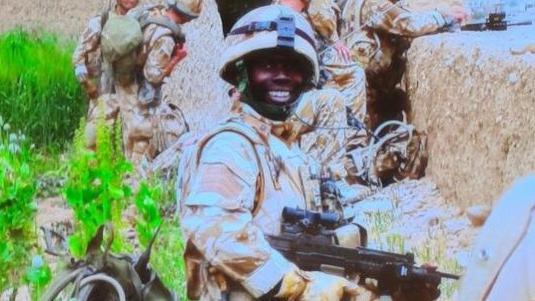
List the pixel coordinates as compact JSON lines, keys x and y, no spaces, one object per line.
{"x":474,"y":93}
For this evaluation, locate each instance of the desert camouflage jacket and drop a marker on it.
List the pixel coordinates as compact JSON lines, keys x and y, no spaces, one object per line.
{"x":242,"y":178}
{"x":360,"y":23}
{"x":368,"y":25}
{"x":157,"y":49}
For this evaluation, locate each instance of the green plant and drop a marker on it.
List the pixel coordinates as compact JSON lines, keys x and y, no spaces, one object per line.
{"x":38,"y":274}
{"x":433,"y":250}
{"x":95,"y":188}
{"x":155,"y":204}
{"x":149,"y":215}
{"x":39,"y":94}
{"x":18,"y":207}
{"x":167,"y":259}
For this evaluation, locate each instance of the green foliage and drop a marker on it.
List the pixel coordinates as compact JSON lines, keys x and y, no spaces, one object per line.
{"x":149,"y":217}
{"x":17,"y":204}
{"x":95,"y":187}
{"x":37,"y":276}
{"x":167,"y":259}
{"x":155,"y":203}
{"x":39,"y":94}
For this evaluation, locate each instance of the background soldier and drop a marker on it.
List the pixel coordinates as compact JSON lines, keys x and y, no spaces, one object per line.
{"x":87,"y":61}
{"x":378,"y":32}
{"x":151,"y":123}
{"x":337,"y":69}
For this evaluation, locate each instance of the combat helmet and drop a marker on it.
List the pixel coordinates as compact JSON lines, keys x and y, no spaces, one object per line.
{"x":272,"y":26}
{"x":188,"y":8}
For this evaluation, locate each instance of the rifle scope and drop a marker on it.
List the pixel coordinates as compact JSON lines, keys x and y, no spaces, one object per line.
{"x":329,"y":220}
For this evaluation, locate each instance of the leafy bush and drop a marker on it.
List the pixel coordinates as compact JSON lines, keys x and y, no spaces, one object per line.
{"x":95,"y":187}
{"x":155,"y":204}
{"x":39,"y":94}
{"x":18,"y":207}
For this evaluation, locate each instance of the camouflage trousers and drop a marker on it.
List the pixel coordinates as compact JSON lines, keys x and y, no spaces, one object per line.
{"x":106,"y":105}
{"x":149,"y":130}
{"x":348,"y":77}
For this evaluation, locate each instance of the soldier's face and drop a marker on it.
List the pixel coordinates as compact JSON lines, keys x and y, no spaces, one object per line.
{"x":127,"y":4}
{"x":276,"y":78}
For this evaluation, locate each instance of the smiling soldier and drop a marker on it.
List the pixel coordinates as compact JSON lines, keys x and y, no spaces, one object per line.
{"x":235,"y":182}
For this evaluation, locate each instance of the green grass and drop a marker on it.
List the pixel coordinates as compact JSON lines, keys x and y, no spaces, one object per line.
{"x":39,"y":94}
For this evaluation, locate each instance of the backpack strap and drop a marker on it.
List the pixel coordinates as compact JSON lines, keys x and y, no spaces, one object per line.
{"x":178,"y":35}
{"x":249,"y":136}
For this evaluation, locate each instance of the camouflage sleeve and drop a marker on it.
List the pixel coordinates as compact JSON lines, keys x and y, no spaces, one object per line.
{"x":89,"y":41}
{"x":384,"y":15}
{"x":323,"y":15}
{"x":321,"y":123}
{"x":158,"y":59}
{"x":217,"y":216}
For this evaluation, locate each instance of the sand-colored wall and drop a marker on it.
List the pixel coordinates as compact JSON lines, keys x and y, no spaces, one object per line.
{"x":476,"y":99}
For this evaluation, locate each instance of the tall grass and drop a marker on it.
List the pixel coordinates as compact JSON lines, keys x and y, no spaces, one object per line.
{"x":39,"y":94}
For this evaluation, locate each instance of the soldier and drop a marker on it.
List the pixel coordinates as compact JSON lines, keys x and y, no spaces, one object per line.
{"x":502,"y":265}
{"x":87,"y":63}
{"x":151,"y":123}
{"x":378,"y":32}
{"x":236,"y":181}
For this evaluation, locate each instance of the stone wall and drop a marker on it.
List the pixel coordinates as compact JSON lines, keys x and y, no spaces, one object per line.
{"x":474,"y":93}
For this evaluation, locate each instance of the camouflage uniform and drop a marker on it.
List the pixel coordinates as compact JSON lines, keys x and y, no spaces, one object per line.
{"x":217,"y":213}
{"x":87,"y":55}
{"x":151,"y":124}
{"x":346,"y":77}
{"x":378,"y":32}
{"x":502,"y":265}
{"x":234,"y":184}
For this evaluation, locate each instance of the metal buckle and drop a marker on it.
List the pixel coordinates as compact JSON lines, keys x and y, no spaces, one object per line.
{"x":286,"y":31}
{"x":259,"y":26}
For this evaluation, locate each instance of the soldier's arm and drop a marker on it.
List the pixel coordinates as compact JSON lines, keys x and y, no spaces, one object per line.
{"x":323,"y":16}
{"x":386,"y":16}
{"x":158,"y":60}
{"x":89,"y":41}
{"x":217,"y":216}
{"x":322,"y":113}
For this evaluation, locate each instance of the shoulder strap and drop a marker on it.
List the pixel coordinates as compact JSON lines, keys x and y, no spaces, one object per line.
{"x":178,"y":35}
{"x":104,"y":18}
{"x":260,"y":183}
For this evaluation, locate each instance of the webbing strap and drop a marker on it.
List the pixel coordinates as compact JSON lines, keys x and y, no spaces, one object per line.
{"x":269,"y":26}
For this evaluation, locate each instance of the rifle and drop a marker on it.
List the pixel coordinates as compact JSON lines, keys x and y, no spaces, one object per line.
{"x":494,"y":22}
{"x":307,"y":239}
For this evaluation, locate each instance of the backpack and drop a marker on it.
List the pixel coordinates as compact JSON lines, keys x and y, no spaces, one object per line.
{"x":122,"y":36}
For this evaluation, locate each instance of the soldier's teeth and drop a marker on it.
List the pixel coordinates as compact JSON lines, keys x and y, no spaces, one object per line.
{"x":279,"y":95}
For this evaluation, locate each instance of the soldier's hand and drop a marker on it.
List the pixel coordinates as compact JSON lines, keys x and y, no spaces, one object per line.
{"x":343,"y":51}
{"x":422,"y":291}
{"x":81,"y":73}
{"x":180,"y":52}
{"x":456,"y":13}
{"x":312,"y":286}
